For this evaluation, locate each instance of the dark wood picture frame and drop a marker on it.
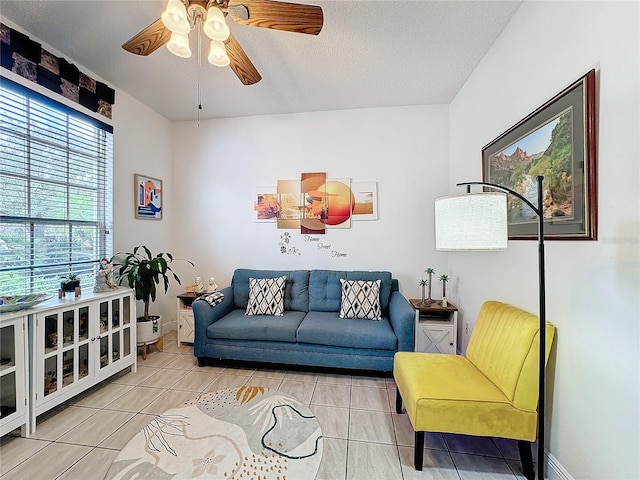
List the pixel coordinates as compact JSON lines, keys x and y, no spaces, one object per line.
{"x":561,"y":138}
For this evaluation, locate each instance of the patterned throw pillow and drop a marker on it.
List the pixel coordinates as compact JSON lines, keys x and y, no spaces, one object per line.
{"x":266,"y":296}
{"x":360,"y":299}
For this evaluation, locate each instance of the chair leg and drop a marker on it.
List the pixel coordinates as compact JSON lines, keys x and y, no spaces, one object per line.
{"x":526,"y":459}
{"x":398,"y":401}
{"x":418,"y":450}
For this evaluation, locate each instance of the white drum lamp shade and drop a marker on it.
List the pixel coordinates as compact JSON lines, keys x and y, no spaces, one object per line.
{"x":472,"y":221}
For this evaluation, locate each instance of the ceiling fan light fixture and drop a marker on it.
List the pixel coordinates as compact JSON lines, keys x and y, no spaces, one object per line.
{"x":215,"y":26}
{"x":179,"y":45}
{"x":218,"y":54}
{"x":175,"y":17}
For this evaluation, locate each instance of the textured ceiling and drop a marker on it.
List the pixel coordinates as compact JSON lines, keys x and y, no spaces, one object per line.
{"x":368,"y":54}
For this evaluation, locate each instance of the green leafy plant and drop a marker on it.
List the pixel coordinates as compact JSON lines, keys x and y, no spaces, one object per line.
{"x":444,"y":279}
{"x":143,"y":271}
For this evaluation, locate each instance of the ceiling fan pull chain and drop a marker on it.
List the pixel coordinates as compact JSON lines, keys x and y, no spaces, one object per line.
{"x":198,"y":26}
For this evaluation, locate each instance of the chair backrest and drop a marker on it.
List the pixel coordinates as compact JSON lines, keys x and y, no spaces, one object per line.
{"x":504,"y":346}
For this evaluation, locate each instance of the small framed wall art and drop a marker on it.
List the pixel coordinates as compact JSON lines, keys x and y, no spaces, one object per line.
{"x":147,"y":193}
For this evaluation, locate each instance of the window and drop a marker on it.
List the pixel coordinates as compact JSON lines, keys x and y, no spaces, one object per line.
{"x":56,"y":192}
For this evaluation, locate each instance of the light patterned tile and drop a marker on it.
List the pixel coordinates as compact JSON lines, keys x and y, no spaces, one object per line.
{"x":301,"y":376}
{"x":194,"y":381}
{"x":55,"y":426}
{"x":119,"y":439}
{"x":334,"y":378}
{"x":185,"y":348}
{"x":93,"y":465}
{"x":48,"y":463}
{"x":376,"y":382}
{"x":169,"y":399}
{"x":240,"y":371}
{"x":135,"y":399}
{"x":302,"y":391}
{"x":272,"y":383}
{"x":366,"y":461}
{"x":266,"y":373}
{"x":332,"y":395}
{"x":478,"y":467}
{"x":131,"y":378}
{"x":101,"y":396}
{"x":371,"y":426}
{"x":508,"y":448}
{"x":227,"y":381}
{"x":15,"y":450}
{"x":334,"y":460}
{"x":184,"y":362}
{"x":436,"y":465}
{"x":158,"y":359}
{"x":366,"y":398}
{"x":334,"y":421}
{"x":164,"y":378}
{"x":94,"y":430}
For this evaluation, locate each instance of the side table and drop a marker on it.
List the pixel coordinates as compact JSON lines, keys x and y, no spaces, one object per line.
{"x":436,"y":327}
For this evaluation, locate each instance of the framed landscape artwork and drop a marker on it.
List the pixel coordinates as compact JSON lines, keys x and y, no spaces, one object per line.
{"x":147,"y":192}
{"x":557,"y":141}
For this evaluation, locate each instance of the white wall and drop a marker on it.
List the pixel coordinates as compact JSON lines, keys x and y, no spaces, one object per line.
{"x":592,"y":286}
{"x":142,"y":144}
{"x":217,"y":166}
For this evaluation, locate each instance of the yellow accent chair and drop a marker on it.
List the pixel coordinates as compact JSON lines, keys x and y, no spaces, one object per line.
{"x":490,"y":392}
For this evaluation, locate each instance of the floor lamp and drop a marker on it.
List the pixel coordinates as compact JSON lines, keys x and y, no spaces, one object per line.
{"x":478,"y":221}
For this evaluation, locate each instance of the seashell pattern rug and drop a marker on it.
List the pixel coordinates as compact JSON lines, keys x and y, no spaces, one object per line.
{"x":250,"y":432}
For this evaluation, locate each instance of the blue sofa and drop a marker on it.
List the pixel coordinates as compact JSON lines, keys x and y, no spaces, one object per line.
{"x":310,"y":332}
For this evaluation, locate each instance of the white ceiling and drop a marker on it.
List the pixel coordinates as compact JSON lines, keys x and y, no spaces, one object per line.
{"x":368,"y":54}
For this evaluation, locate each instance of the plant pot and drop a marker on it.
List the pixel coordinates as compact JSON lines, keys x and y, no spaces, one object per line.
{"x":148,"y":331}
{"x":69,"y":286}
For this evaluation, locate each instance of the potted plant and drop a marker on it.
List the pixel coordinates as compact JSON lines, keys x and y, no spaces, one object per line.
{"x":69,"y":282}
{"x":142,"y":271}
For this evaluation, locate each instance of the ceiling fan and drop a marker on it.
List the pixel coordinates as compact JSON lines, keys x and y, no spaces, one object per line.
{"x":182,"y":16}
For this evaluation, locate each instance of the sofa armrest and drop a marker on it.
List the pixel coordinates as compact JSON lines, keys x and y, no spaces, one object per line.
{"x":204,"y":315}
{"x":402,"y":317}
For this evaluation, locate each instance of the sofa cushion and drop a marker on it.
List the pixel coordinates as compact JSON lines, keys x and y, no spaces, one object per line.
{"x":296,"y":293}
{"x":360,"y":299}
{"x":238,"y":326}
{"x":266,"y":296}
{"x":325,"y":292}
{"x":327,"y":328}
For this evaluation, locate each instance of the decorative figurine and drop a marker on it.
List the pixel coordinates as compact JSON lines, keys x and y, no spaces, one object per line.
{"x":212,"y":285}
{"x":444,"y":279}
{"x":199,"y":285}
{"x":423,"y":283}
{"x":104,"y":277}
{"x":429,"y":271}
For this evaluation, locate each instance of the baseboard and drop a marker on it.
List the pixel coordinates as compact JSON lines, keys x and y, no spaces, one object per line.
{"x":555,"y":471}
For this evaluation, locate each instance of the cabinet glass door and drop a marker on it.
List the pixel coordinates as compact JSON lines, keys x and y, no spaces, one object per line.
{"x":115,"y":331}
{"x":7,"y":371}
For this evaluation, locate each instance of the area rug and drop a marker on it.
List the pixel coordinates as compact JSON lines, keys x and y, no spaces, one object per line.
{"x":250,"y":432}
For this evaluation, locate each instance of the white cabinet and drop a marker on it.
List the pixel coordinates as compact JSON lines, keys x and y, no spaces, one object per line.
{"x":436,"y":327}
{"x":13,"y":373}
{"x":186,"y":327}
{"x":79,"y":342}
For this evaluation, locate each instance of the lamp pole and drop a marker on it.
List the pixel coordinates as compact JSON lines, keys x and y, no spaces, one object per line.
{"x":539,"y":211}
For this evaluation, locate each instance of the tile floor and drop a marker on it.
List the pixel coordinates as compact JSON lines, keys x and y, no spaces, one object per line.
{"x":363,"y":436}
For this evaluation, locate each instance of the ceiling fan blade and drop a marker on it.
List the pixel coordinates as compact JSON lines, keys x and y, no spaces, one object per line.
{"x":291,"y":17}
{"x":149,"y":39}
{"x":240,"y":63}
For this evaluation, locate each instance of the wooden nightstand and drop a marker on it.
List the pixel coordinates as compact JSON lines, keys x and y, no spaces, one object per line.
{"x":436,"y":327}
{"x":186,"y":326}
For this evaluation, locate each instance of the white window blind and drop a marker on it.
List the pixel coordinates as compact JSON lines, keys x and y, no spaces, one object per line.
{"x":56,"y":169}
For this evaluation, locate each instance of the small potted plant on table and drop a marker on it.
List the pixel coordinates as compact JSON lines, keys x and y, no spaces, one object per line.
{"x":69,"y":283}
{"x":142,"y":271}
